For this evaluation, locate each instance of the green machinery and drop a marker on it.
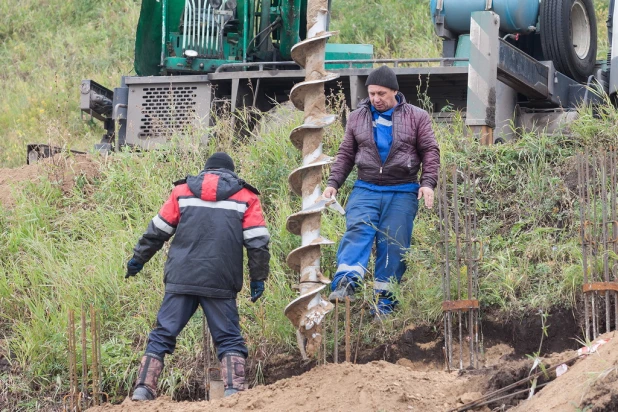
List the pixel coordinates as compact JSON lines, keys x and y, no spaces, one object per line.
{"x":191,"y":56}
{"x":199,"y":36}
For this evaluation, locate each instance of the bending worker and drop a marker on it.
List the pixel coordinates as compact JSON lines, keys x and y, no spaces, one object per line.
{"x":388,"y":140}
{"x":212,"y":216}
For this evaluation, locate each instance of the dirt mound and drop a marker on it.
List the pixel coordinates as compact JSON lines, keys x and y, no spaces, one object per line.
{"x":591,"y":384}
{"x":374,"y":386}
{"x":61,"y":169}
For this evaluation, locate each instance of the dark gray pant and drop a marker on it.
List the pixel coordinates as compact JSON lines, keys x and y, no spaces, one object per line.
{"x":175,"y":312}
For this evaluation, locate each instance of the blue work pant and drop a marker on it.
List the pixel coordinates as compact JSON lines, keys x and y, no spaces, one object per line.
{"x":175,"y":312}
{"x":386,"y":218}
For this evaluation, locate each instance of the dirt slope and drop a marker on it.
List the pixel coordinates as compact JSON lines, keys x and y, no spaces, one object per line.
{"x":591,"y":384}
{"x":59,"y":169}
{"x":376,"y":386}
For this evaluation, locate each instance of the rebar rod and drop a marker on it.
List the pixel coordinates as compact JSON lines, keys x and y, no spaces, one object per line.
{"x":212,"y":30}
{"x":200,"y":26}
{"x":192,"y":28}
{"x":219,"y":29}
{"x":84,"y":355}
{"x":449,"y":315}
{"x":468,"y":230}
{"x":206,"y":356}
{"x":581,"y":177}
{"x":95,"y":355}
{"x":358,"y":336}
{"x":511,"y":386}
{"x":457,"y":259}
{"x":347,"y":329}
{"x":444,"y":243}
{"x":324,"y":351}
{"x":72,"y":360}
{"x":593,"y":255}
{"x":336,"y":334}
{"x":604,"y":234}
{"x":596,"y":247}
{"x":510,"y":395}
{"x":184,"y":26}
{"x":612,"y":173}
{"x":475,"y":273}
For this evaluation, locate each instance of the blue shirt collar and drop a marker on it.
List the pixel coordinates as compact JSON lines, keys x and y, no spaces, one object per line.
{"x":389,"y":112}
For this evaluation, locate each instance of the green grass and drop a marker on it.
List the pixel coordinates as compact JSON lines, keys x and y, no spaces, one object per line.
{"x":47,"y":48}
{"x":59,"y":251}
{"x":397,"y":29}
{"x":63,"y":251}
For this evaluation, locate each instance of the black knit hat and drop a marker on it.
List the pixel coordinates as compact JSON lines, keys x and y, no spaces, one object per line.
{"x":383,"y":76}
{"x":220,"y":160}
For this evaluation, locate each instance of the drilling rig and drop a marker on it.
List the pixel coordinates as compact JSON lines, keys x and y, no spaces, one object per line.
{"x":194,"y":55}
{"x":525,"y":65}
{"x":506,"y":65}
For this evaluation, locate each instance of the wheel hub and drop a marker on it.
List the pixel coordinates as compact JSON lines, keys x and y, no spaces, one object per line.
{"x":580,"y":29}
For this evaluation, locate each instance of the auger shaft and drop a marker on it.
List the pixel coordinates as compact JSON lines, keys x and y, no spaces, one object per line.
{"x":307,"y":311}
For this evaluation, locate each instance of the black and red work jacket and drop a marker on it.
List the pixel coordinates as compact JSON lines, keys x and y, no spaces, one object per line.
{"x":211,"y":216}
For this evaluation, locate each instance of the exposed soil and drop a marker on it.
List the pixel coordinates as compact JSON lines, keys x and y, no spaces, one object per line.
{"x":60,"y":169}
{"x":374,"y":386}
{"x":591,"y":384}
{"x":409,"y":375}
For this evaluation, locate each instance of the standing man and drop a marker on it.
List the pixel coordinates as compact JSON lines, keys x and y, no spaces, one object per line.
{"x":213,"y":215}
{"x":388,"y":140}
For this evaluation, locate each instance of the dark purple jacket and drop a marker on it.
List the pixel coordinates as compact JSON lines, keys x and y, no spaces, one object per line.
{"x":413,"y":144}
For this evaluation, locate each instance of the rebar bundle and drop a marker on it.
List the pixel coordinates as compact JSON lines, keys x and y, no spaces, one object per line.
{"x":308,"y":310}
{"x":599,"y":238}
{"x":461,"y":252}
{"x":77,"y":400}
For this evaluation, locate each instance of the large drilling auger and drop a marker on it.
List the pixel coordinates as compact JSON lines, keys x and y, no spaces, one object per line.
{"x":308,"y":310}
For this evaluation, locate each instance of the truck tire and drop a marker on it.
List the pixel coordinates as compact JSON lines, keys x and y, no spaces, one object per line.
{"x":569,"y":36}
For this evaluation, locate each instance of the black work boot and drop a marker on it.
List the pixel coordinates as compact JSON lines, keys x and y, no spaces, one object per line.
{"x":233,"y":372}
{"x":147,"y":378}
{"x":344,"y":289}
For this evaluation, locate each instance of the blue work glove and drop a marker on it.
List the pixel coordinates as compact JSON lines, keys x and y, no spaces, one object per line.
{"x":133,"y":267}
{"x":257,"y":289}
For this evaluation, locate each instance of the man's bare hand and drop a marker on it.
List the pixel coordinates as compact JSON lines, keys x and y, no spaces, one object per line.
{"x":329,"y":192}
{"x":427,"y":193}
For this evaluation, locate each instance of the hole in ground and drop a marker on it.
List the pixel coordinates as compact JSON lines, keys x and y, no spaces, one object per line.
{"x":421,"y":348}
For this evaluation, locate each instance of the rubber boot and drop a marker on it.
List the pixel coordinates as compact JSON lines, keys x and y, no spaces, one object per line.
{"x":148,"y":377}
{"x":233,"y":373}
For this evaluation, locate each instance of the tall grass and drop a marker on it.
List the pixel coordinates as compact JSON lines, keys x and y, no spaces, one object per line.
{"x":48,"y":48}
{"x":65,"y":250}
{"x":396,"y":29}
{"x":61,"y":250}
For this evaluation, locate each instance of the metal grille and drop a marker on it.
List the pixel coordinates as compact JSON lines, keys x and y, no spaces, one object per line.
{"x":202,"y":28}
{"x":166,"y":110}
{"x":160,"y":107}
